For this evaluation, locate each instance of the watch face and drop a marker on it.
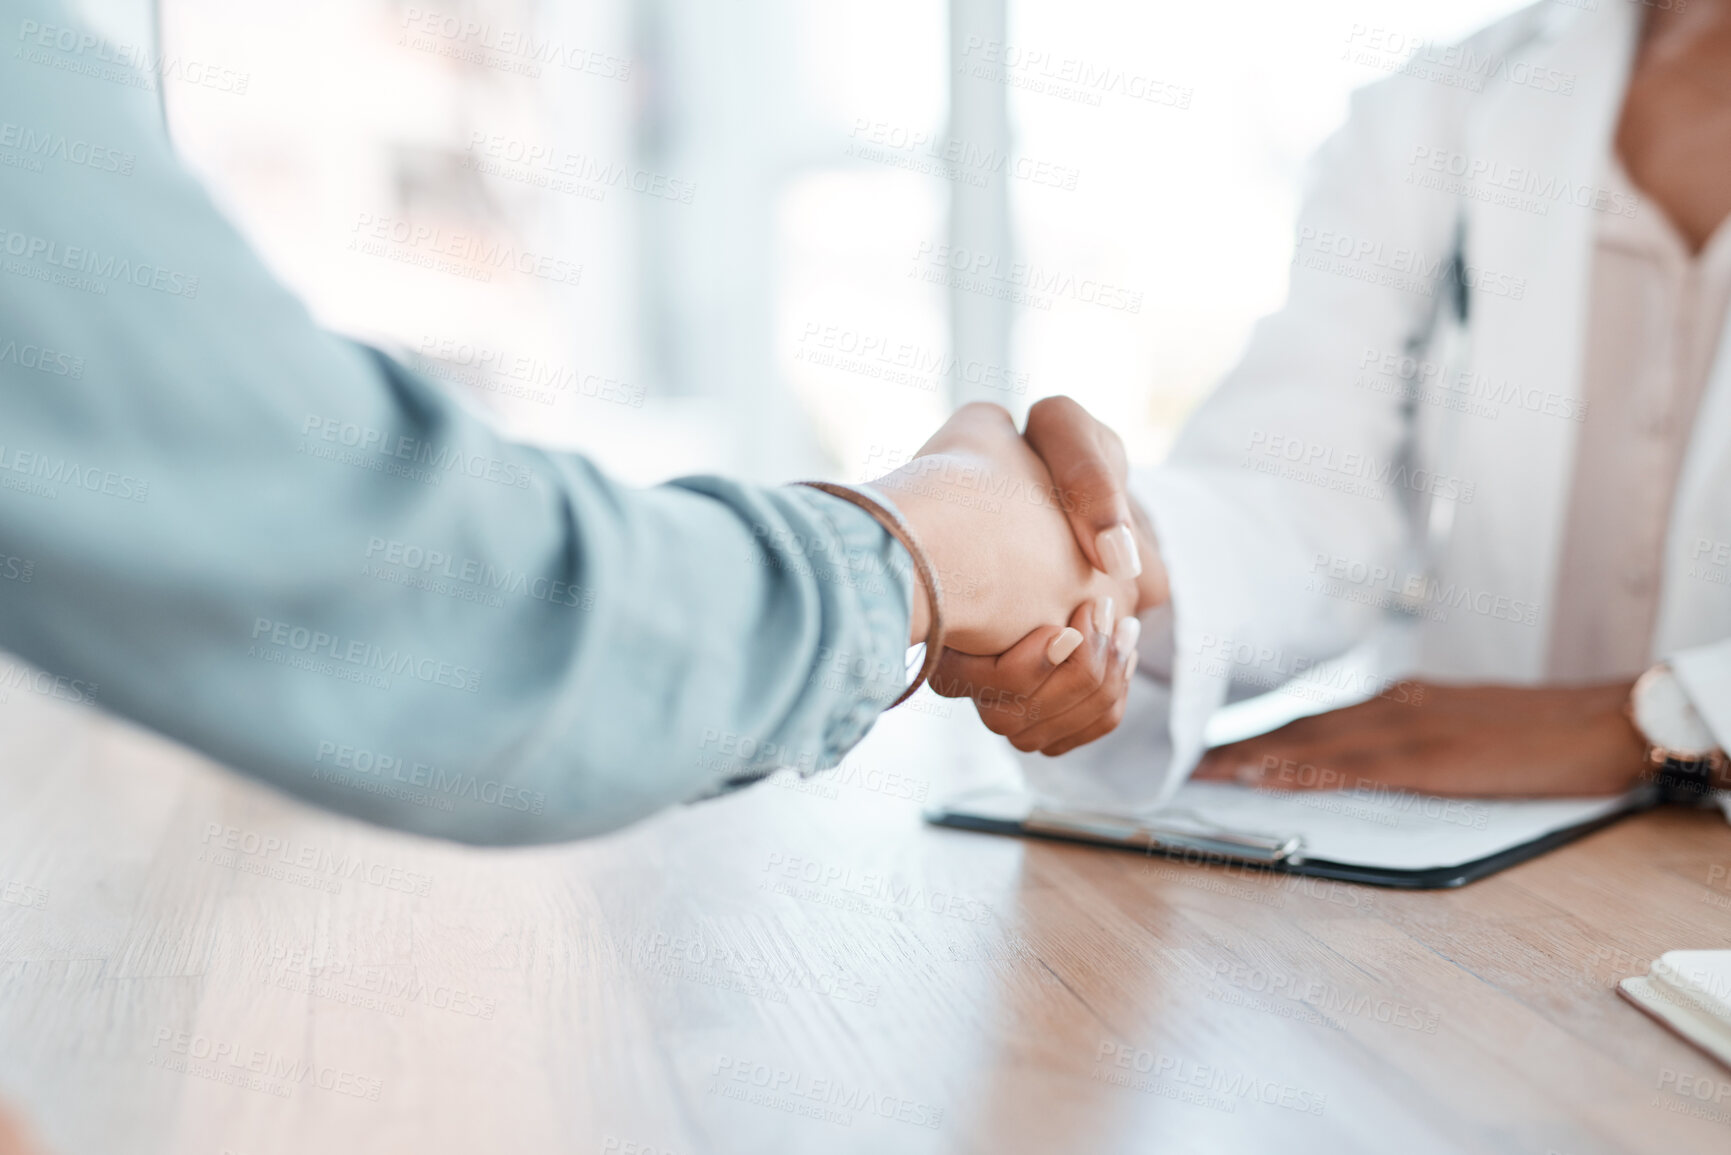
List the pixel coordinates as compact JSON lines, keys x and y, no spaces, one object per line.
{"x":1667,"y":718}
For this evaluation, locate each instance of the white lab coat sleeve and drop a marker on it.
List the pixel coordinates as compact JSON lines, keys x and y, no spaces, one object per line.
{"x":1282,"y":509}
{"x":1705,"y":672}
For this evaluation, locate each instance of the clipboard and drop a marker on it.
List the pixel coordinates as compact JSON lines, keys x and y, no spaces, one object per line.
{"x":1193,"y":837}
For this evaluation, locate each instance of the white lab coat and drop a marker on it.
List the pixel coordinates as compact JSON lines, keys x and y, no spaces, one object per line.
{"x":1272,"y":573}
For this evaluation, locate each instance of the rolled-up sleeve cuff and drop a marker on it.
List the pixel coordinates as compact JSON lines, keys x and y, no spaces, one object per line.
{"x":864,"y":578}
{"x":879,"y":575}
{"x":1207,"y":600}
{"x":1705,"y":672}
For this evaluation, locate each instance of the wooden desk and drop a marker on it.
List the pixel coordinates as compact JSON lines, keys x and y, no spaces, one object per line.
{"x":191,"y":964}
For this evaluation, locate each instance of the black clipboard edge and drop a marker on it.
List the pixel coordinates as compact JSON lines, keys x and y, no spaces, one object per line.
{"x":1432,"y":878}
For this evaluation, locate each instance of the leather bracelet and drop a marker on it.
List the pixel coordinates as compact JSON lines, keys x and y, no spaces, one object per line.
{"x":898,"y":528}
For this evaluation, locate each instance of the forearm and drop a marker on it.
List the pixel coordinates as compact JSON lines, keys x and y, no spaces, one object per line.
{"x":292,"y":554}
{"x":480,"y":659}
{"x":1249,"y":572}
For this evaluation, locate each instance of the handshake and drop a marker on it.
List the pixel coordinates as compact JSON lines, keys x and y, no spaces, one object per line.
{"x":1028,"y":532}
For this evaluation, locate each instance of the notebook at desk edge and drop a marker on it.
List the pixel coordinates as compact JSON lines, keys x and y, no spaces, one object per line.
{"x":1688,"y":991}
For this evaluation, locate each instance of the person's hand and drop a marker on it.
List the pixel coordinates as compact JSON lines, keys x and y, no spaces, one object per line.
{"x":1054,"y":694}
{"x":1091,"y":474}
{"x":982,"y":505}
{"x":1053,"y":690}
{"x":1461,"y":740}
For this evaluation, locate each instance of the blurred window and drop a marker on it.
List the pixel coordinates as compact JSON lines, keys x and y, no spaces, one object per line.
{"x":777,"y":237}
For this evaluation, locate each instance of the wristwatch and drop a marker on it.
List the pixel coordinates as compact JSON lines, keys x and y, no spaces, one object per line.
{"x":1681,"y":751}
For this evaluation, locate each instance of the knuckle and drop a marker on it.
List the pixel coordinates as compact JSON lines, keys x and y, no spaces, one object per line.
{"x":1101,"y":705}
{"x":989,"y":409}
{"x":1054,"y":408}
{"x":1040,"y":414}
{"x":1081,"y":686}
{"x":1092,"y":489}
{"x":1090,"y":472}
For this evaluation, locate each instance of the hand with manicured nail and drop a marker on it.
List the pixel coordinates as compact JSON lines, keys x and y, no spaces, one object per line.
{"x":1059,"y":689}
{"x":1090,"y":480}
{"x":1056,"y":689}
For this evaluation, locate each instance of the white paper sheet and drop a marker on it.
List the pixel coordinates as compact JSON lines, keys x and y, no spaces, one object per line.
{"x":1396,"y":831}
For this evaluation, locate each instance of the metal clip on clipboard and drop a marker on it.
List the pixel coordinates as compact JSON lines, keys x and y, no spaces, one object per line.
{"x":1166,"y":835}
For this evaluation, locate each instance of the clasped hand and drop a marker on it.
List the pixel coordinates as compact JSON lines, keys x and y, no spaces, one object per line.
{"x":1044,"y":561}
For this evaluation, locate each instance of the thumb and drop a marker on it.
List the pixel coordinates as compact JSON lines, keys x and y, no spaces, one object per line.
{"x":1088,"y":468}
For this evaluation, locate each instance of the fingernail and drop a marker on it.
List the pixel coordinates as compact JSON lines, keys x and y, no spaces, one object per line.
{"x":1128,"y":633}
{"x":1063,"y":645}
{"x":1118,"y":554}
{"x":1248,"y":775}
{"x":1103,"y":618}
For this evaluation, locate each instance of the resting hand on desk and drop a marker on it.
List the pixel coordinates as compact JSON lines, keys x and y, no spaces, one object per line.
{"x":1473,"y":740}
{"x":1059,"y":688}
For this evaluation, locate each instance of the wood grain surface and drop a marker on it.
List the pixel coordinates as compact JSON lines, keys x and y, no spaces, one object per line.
{"x":190,"y":963}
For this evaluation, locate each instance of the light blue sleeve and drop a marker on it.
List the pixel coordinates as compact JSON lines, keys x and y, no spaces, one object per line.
{"x":292,"y":553}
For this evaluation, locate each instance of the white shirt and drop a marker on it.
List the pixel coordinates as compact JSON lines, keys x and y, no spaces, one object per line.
{"x":1655,"y":317}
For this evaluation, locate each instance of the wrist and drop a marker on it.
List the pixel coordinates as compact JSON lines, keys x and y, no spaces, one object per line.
{"x":925,"y":529}
{"x":925,"y":516}
{"x":1681,"y":748}
{"x":919,"y":609}
{"x":926,"y":615}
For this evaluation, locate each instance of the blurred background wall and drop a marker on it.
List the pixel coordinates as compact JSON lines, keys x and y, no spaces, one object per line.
{"x":777,"y":238}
